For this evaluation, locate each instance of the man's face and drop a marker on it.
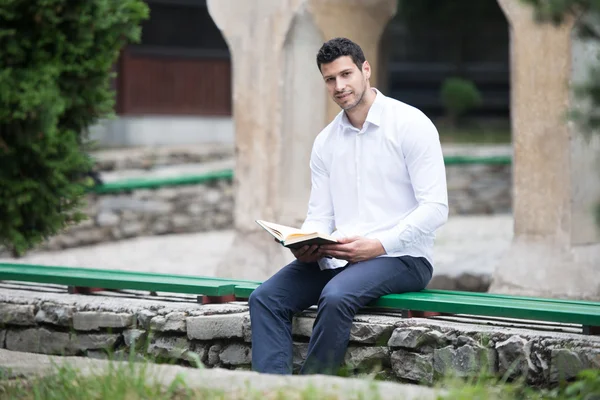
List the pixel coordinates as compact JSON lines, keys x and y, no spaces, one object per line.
{"x":345,"y":82}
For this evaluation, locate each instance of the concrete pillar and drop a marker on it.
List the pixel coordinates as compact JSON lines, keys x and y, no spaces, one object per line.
{"x":556,"y":246}
{"x":279,"y":106}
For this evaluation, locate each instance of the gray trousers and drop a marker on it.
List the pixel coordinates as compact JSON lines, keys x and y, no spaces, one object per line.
{"x":338,"y":294}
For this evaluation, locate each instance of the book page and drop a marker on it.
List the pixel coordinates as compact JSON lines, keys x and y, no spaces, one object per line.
{"x":285,"y":231}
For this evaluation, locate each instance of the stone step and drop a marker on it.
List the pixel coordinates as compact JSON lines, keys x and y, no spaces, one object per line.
{"x":19,"y":364}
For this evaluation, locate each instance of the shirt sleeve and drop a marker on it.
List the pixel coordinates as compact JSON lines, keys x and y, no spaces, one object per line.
{"x":320,"y":215}
{"x":425,"y":163}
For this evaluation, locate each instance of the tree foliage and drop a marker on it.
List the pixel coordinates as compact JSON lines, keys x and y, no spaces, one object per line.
{"x":56,"y":58}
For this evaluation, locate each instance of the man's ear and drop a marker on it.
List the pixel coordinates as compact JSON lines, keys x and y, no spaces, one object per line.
{"x":366,"y":67}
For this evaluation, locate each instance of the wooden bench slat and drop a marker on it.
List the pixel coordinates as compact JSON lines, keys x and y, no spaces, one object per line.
{"x":109,"y":279}
{"x":513,"y":297}
{"x":584,"y":314}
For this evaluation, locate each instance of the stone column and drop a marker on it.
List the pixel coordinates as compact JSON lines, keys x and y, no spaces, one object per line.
{"x":556,"y":247}
{"x":279,"y":106}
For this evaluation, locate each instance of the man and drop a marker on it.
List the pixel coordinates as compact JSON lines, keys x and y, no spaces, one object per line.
{"x":379,"y":187}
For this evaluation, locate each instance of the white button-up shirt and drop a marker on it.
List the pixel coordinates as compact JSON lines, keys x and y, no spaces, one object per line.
{"x":385,"y":181}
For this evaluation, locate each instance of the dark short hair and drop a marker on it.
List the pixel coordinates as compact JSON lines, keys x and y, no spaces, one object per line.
{"x":339,"y":47}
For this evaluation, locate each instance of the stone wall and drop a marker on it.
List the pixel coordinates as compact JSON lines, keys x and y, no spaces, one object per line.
{"x":147,"y":212}
{"x":416,"y":350}
{"x":479,"y":189}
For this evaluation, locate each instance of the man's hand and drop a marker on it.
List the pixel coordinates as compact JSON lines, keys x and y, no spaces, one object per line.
{"x":307,"y":254}
{"x":353,"y":249}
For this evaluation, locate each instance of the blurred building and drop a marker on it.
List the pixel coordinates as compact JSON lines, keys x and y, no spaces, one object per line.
{"x":175,"y":86}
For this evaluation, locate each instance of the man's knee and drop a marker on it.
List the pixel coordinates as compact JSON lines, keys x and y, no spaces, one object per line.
{"x":262,"y":297}
{"x":257,"y":297}
{"x":336,"y":298}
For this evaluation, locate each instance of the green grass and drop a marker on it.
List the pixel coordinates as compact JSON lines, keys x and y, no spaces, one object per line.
{"x":585,"y":387}
{"x":135,"y":381}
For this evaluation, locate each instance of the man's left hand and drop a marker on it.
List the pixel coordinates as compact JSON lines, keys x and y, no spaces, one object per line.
{"x":353,"y":249}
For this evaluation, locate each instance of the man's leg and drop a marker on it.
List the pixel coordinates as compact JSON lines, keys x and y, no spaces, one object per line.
{"x":354,"y":288}
{"x":294,"y":288}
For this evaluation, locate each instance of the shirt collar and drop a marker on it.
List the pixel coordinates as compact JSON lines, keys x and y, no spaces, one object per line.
{"x":374,"y":114}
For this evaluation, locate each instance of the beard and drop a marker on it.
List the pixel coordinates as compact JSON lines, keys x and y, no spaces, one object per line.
{"x":359,"y":99}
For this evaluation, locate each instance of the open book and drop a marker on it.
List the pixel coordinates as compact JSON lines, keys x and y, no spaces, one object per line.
{"x":294,"y":238}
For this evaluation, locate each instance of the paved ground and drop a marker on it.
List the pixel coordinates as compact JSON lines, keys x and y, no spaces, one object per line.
{"x":465,"y":244}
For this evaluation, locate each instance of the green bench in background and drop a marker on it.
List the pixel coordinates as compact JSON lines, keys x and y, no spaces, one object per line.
{"x":584,"y":313}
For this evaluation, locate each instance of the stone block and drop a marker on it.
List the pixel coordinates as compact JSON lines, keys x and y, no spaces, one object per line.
{"x":122,"y":203}
{"x":236,"y":354}
{"x":107,"y":219}
{"x":213,"y":354}
{"x":100,"y":341}
{"x":247,"y":328}
{"x":169,"y":347}
{"x":302,"y":326}
{"x":300,"y":350}
{"x":174,"y":322}
{"x":512,"y":357}
{"x":416,"y":338}
{"x":564,"y":364}
{"x":55,"y":314}
{"x":17,"y":314}
{"x":136,"y":337}
{"x":367,"y":358}
{"x":89,"y":236}
{"x":94,"y":320}
{"x":179,"y":221}
{"x":39,"y":341}
{"x":411,"y":366}
{"x":590,"y":358}
{"x":144,"y":317}
{"x":208,"y":327}
{"x":464,"y":361}
{"x":361,"y":332}
{"x":198,"y":354}
{"x":132,"y":228}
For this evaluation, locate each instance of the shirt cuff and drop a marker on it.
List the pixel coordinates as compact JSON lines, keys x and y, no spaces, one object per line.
{"x":390,"y":239}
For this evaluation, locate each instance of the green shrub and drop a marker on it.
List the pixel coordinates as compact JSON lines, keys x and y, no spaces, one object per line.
{"x":56,"y":58}
{"x":458,"y":97}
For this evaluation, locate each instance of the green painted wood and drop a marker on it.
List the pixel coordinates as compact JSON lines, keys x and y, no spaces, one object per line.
{"x":244,"y":291}
{"x":108,"y":279}
{"x":511,"y":297}
{"x":465,"y":160}
{"x":585,"y":314}
{"x":153,"y":183}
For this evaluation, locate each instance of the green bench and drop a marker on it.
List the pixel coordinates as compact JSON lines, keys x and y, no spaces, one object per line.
{"x":80,"y":279}
{"x":585,"y":313}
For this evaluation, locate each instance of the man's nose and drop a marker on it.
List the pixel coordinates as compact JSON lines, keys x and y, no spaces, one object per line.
{"x":339,"y":85}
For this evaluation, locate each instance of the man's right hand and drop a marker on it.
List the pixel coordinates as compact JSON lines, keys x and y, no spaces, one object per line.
{"x":307,"y":254}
